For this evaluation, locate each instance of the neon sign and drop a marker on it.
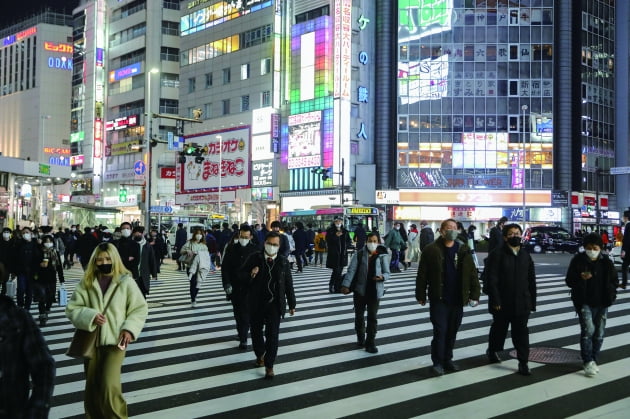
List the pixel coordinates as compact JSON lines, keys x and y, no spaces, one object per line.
{"x":19,"y":36}
{"x":62,"y":63}
{"x":125,"y":72}
{"x":121,"y":123}
{"x":57,"y":150}
{"x":58,"y":47}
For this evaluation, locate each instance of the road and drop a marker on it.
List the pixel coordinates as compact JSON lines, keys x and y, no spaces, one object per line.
{"x":186,"y":363}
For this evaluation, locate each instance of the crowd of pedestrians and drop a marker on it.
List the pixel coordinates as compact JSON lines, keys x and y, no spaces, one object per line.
{"x":257,"y":268}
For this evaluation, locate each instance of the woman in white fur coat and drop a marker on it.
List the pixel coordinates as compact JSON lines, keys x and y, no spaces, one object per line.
{"x":107,"y":279}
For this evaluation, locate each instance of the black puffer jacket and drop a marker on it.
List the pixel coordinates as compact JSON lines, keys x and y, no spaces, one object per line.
{"x":511,"y":281}
{"x":603,"y":283}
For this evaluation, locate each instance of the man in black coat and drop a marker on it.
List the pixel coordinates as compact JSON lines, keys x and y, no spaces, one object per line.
{"x":86,"y":244}
{"x":301,"y":245}
{"x":147,"y":263}
{"x":360,"y":237}
{"x":28,"y":256}
{"x":337,"y":240}
{"x":511,"y":289}
{"x":496,"y":235}
{"x":129,"y":250}
{"x":426,"y":235}
{"x":270,"y":288}
{"x":181,"y":237}
{"x":235,"y":288}
{"x":7,"y":255}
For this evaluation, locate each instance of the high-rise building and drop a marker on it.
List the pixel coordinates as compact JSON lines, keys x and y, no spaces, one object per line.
{"x":495,"y":119}
{"x":35,"y":70}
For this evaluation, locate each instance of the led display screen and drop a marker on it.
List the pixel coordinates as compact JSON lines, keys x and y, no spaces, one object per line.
{"x":305,"y":140}
{"x":421,"y":18}
{"x":423,"y":80}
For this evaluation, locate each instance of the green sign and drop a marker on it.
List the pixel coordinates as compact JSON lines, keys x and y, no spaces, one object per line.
{"x":44,"y":169}
{"x":77,"y":136}
{"x":122,"y":195}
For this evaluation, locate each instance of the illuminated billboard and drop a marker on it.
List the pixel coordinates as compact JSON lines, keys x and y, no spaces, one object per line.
{"x":421,"y":18}
{"x":423,"y":80}
{"x":219,"y":12}
{"x":228,"y":150}
{"x":305,"y":140}
{"x":541,"y":127}
{"x":123,"y":73}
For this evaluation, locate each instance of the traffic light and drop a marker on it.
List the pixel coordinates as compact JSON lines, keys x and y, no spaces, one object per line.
{"x":324,"y":172}
{"x":122,"y":195}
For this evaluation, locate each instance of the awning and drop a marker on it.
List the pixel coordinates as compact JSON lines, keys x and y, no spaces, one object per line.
{"x":91,"y":207}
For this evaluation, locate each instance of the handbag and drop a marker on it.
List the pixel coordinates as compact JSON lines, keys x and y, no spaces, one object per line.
{"x":62,"y":296}
{"x":83,"y":344}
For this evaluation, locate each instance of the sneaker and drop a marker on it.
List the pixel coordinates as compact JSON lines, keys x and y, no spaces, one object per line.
{"x":437,"y":370}
{"x":450,"y":366}
{"x":589,"y":369}
{"x":596,"y":366}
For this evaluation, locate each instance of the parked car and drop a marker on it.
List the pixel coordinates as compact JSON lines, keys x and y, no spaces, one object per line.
{"x":539,"y":239}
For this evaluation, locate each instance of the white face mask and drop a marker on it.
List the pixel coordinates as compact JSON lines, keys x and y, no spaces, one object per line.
{"x":235,"y":241}
{"x":271,"y":250}
{"x":6,"y":236}
{"x":73,"y":229}
{"x":198,"y":237}
{"x":338,"y":226}
{"x":372,"y":246}
{"x":243,"y":242}
{"x":125,"y":232}
{"x":27,"y":236}
{"x":592,"y":254}
{"x":48,"y":245}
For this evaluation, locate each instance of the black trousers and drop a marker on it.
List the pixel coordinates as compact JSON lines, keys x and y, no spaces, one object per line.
{"x":624,"y":270}
{"x":335,"y":278}
{"x":266,"y":316}
{"x":520,"y":333}
{"x":446,"y":319}
{"x":240,"y":308}
{"x":361,"y":303}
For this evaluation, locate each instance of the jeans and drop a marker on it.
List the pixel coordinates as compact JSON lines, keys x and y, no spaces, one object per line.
{"x":193,"y":288}
{"x":362,"y":303}
{"x":393,"y":266}
{"x":319,"y":256}
{"x":592,"y":324}
{"x":446,"y":319}
{"x":24,"y":291}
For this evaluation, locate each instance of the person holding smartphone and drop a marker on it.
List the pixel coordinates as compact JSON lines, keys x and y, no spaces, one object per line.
{"x":593,"y":281}
{"x":106,"y":280}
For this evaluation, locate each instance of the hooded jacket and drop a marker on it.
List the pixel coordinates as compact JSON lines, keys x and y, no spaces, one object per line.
{"x":604,"y":278}
{"x":381,"y":268}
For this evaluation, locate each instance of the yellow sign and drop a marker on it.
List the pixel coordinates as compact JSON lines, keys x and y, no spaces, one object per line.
{"x":361,"y":210}
{"x":125,"y":148}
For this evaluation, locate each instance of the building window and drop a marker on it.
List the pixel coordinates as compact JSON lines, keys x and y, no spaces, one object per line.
{"x":169,"y":54}
{"x":244,"y":71}
{"x":244,"y":103}
{"x":227,"y":75}
{"x":208,"y":80}
{"x":226,"y":106}
{"x":265,"y":66}
{"x":206,"y":111}
{"x":169,"y":106}
{"x":265,"y":98}
{"x":192,"y":82}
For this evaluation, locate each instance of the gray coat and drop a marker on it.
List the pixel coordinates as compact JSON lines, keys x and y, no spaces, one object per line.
{"x":381,"y":269}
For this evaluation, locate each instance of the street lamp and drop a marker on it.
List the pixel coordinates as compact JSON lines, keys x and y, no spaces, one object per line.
{"x":148,"y":131}
{"x":524,"y":109}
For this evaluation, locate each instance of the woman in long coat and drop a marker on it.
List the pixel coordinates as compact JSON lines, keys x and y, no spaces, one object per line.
{"x":337,"y":240}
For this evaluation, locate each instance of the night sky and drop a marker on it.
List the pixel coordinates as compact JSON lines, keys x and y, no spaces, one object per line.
{"x":15,"y":11}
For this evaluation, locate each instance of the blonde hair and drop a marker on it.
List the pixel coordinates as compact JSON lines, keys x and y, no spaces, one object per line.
{"x":118,"y":268}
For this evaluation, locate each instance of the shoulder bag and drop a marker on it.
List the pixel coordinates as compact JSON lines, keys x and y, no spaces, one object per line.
{"x":83,"y":344}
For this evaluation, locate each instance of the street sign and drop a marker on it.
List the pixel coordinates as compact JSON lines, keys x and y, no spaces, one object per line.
{"x":623,"y":170}
{"x":162,"y":209}
{"x":139,"y":167}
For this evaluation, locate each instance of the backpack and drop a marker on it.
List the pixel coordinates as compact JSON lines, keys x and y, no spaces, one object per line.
{"x":321,"y":243}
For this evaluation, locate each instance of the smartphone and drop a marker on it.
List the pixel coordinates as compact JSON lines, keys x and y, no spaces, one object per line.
{"x":121,"y":345}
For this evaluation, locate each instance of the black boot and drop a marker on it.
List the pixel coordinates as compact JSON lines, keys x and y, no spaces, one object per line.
{"x":370,"y":347}
{"x":360,"y":339}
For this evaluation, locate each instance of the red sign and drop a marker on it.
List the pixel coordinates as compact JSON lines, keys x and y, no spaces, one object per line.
{"x":58,"y":47}
{"x":121,"y":123}
{"x":167,"y":173}
{"x":26,"y":33}
{"x":56,"y":150}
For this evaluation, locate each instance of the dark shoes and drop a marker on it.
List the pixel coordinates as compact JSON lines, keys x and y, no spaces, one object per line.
{"x":242,"y":346}
{"x":371,"y":348}
{"x":451,"y":367}
{"x":523,"y":369}
{"x":43,"y":319}
{"x":437,"y":370}
{"x":260,"y":362}
{"x":269,"y":374}
{"x":493,"y":357}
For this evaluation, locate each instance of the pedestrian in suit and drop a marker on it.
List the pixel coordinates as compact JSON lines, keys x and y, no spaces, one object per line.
{"x":448,"y":275}
{"x":511,"y":289}
{"x":270,"y":289}
{"x":147,"y":262}
{"x":235,"y":287}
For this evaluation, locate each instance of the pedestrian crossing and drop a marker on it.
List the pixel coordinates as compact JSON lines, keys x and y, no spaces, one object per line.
{"x":186,"y":363}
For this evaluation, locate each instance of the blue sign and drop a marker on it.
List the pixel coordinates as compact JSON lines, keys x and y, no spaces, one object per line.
{"x":162,"y":209}
{"x":139,"y":167}
{"x":123,"y":73}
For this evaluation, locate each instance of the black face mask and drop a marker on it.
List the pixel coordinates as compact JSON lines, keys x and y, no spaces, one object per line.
{"x":514,"y":241}
{"x":137,"y":238}
{"x":105,"y":268}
